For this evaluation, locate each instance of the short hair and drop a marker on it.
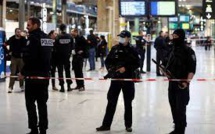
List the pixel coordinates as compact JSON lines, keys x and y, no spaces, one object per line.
{"x":35,"y":20}
{"x":51,"y":32}
{"x":160,"y":33}
{"x":17,"y":29}
{"x":91,"y":31}
{"x":102,"y":36}
{"x":62,"y":27}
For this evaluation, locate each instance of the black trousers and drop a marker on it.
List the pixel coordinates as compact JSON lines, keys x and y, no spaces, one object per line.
{"x":64,"y":64}
{"x":178,"y":100}
{"x":37,"y":91}
{"x":53,"y":70}
{"x":77,"y":64}
{"x":142,"y":58}
{"x":112,"y":96}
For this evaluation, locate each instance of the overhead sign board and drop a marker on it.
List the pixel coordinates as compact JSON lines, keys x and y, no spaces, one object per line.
{"x":132,"y":7}
{"x":208,"y":9}
{"x":163,"y":8}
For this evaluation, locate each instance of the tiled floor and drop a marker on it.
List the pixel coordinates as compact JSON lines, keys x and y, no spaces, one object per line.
{"x":81,"y":112}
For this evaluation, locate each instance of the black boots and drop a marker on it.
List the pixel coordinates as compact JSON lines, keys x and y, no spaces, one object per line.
{"x":33,"y":131}
{"x":128,"y":129}
{"x":103,"y":128}
{"x":178,"y":130}
{"x":62,"y":89}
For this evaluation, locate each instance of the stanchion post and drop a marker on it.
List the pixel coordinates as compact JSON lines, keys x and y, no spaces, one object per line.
{"x":148,"y":56}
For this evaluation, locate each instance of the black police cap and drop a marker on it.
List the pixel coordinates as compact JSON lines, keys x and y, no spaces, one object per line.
{"x":125,"y":33}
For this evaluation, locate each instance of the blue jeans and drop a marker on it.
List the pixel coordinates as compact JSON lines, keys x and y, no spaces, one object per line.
{"x":92,"y":53}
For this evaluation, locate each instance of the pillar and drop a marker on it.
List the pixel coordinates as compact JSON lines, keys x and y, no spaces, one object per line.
{"x":21,"y":14}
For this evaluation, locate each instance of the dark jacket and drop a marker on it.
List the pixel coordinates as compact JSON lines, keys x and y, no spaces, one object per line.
{"x":81,"y":45}
{"x":140,"y":42}
{"x":123,"y":56}
{"x":102,"y":47}
{"x":93,"y":41}
{"x":37,"y":54}
{"x":16,"y":46}
{"x":64,"y":45}
{"x":182,"y":61}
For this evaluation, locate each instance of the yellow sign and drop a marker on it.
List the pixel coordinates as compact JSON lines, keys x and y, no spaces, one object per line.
{"x":123,"y":24}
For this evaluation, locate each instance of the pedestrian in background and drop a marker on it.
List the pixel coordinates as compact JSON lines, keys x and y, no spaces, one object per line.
{"x":52,"y":34}
{"x":80,"y":48}
{"x":16,"y":45}
{"x":102,"y":48}
{"x":92,"y":42}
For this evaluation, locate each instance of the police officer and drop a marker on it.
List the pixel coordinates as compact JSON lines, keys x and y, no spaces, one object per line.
{"x":64,"y":45}
{"x":161,"y":49}
{"x":37,"y":55}
{"x":52,"y":34}
{"x":182,"y":65}
{"x":80,"y":44}
{"x":125,"y":58}
{"x":140,"y":46}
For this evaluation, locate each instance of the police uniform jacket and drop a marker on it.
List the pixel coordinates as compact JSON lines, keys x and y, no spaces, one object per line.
{"x":37,"y":54}
{"x":182,"y":61}
{"x":140,"y":42}
{"x":123,"y":56}
{"x":64,"y":45}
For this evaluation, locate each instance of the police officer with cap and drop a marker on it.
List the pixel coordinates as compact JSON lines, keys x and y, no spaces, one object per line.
{"x":64,"y":46}
{"x":37,"y":55}
{"x":182,"y":65}
{"x":125,"y":58}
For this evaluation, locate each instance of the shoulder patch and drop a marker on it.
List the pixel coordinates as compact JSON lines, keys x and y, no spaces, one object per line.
{"x":46,"y":42}
{"x":64,"y":41}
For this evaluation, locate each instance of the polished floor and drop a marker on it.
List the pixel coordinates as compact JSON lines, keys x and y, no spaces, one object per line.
{"x":81,"y":112}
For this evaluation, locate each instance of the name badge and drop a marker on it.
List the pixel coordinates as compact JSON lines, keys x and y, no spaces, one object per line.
{"x":46,"y":42}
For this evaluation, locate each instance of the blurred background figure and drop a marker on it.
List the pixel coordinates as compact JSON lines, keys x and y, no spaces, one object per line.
{"x":92,"y":42}
{"x":80,"y":48}
{"x":140,"y":47}
{"x":16,"y":44}
{"x":208,"y":43}
{"x":102,"y":48}
{"x":161,"y":48}
{"x":52,"y":34}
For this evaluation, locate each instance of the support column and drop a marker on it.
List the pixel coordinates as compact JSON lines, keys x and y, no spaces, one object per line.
{"x":54,"y":9}
{"x":28,"y":8}
{"x":63,"y":11}
{"x":21,"y":14}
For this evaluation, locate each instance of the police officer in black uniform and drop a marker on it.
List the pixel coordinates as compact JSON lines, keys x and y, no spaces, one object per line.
{"x":140,"y":46}
{"x":37,"y":55}
{"x":161,"y":49}
{"x":124,"y":57}
{"x":64,"y":45}
{"x":182,"y":65}
{"x":79,"y":51}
